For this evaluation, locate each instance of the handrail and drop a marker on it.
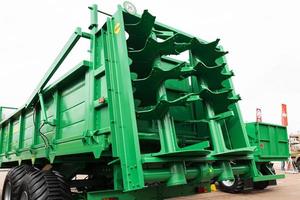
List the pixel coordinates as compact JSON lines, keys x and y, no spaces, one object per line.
{"x":56,"y":64}
{"x":5,"y":107}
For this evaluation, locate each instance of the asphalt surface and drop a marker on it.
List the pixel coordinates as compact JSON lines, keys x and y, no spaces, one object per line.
{"x":2,"y":177}
{"x":287,"y":188}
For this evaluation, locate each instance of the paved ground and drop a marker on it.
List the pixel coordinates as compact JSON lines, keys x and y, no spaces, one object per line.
{"x":287,"y":188}
{"x":2,"y":177}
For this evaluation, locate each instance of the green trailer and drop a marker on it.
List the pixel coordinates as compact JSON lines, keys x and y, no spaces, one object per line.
{"x":271,"y":141}
{"x":132,"y":122}
{"x":272,"y":144}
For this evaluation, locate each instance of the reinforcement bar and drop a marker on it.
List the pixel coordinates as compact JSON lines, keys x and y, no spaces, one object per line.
{"x":57,"y":63}
{"x":191,"y":173}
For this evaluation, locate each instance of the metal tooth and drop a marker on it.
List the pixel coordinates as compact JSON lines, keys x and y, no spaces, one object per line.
{"x":215,"y":43}
{"x":140,"y":31}
{"x":143,"y":59}
{"x":209,"y":95}
{"x":153,"y":81}
{"x":208,"y":53}
{"x":213,"y":75}
{"x":163,"y":105}
{"x":220,"y":99}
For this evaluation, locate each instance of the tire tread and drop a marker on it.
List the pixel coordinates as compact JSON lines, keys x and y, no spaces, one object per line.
{"x":47,"y":185}
{"x":15,"y":176}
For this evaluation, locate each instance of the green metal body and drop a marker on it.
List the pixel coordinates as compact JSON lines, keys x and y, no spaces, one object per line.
{"x":271,"y":140}
{"x":143,"y":123}
{"x":272,"y":145}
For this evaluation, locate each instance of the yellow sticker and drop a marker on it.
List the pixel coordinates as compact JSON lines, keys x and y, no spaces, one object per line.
{"x":117,"y":28}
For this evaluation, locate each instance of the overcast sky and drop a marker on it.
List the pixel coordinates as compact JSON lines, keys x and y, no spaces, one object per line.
{"x":262,"y":37}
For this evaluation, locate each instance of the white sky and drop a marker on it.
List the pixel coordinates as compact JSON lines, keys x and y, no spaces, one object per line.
{"x":262,"y":37}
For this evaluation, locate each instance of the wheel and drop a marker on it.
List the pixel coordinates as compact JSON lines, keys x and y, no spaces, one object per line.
{"x":298,"y":164}
{"x":260,"y":185}
{"x":44,"y":185}
{"x":232,"y":186}
{"x":13,"y":182}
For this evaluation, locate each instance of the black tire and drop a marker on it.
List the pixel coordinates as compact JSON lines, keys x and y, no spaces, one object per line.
{"x":234,"y":186}
{"x":13,"y":182}
{"x":44,"y":185}
{"x":261,"y":185}
{"x":298,"y":164}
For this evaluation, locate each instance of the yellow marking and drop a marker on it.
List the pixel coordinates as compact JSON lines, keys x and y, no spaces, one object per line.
{"x":213,"y":188}
{"x":117,"y":28}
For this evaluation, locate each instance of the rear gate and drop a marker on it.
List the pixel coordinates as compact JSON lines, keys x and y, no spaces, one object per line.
{"x":271,"y":141}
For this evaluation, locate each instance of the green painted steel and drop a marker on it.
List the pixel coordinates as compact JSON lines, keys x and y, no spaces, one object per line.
{"x":137,"y":118}
{"x":271,"y":141}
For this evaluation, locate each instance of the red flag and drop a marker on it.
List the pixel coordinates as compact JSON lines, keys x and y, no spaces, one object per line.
{"x":258,"y":115}
{"x":284,"y":117}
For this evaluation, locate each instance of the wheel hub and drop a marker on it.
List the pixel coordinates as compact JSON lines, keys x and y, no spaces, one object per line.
{"x":7,"y":191}
{"x":228,"y":183}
